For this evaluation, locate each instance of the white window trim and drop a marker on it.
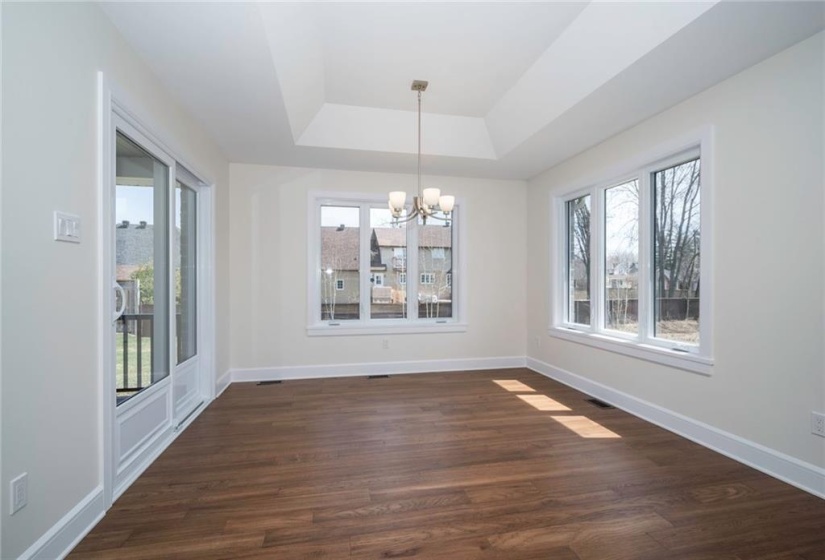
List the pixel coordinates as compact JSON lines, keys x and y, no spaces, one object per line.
{"x":366,"y":326}
{"x":690,"y":358}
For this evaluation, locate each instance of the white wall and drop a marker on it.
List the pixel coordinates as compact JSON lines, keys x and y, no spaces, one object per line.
{"x":269,"y":278}
{"x":2,"y":480}
{"x":50,"y":379}
{"x":768,"y":272}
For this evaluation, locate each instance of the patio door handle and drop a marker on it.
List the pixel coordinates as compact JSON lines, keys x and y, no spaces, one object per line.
{"x":120,"y":311}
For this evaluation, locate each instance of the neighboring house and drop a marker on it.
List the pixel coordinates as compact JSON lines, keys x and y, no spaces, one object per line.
{"x":339,"y":270}
{"x":134,"y":248}
{"x":684,"y":288}
{"x":388,"y":266}
{"x":622,"y":279}
{"x":435,"y":261}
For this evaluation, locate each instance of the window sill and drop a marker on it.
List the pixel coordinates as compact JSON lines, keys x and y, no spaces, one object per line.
{"x":344,"y":329}
{"x":664,"y":356}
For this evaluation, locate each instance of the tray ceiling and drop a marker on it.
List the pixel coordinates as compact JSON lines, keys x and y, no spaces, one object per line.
{"x":514,"y":87}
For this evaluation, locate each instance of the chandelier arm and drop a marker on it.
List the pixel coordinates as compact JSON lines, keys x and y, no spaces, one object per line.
{"x":409,"y":218}
{"x":419,"y":143}
{"x":444,"y":219}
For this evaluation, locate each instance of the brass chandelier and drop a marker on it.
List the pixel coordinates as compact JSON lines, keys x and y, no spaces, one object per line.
{"x":429,"y":201}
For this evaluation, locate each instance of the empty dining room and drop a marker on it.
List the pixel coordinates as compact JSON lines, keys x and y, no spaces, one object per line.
{"x":516,"y":280}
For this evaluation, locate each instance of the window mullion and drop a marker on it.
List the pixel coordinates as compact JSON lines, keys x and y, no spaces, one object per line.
{"x":412,"y":269}
{"x":364,"y":260}
{"x":597,"y":253}
{"x":314,"y":268}
{"x":565,"y":257}
{"x":646,"y":291}
{"x":561,"y":287}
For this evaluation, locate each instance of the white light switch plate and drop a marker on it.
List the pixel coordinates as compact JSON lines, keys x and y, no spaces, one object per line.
{"x":19,"y":493}
{"x":66,"y":227}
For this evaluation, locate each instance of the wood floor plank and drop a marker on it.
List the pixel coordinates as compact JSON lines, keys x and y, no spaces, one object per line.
{"x":446,"y":466}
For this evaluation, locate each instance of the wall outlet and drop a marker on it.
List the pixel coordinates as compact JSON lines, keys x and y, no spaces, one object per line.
{"x":538,"y":341}
{"x":19,"y":492}
{"x":385,"y":343}
{"x":818,"y":423}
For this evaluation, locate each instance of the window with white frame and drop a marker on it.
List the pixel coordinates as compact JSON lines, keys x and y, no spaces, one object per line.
{"x":365,"y":256}
{"x":634,"y":253}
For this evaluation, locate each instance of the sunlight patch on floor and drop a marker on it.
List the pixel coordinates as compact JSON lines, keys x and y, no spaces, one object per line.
{"x":543,"y":402}
{"x":513,"y":385}
{"x":585,"y":427}
{"x":580,"y":425}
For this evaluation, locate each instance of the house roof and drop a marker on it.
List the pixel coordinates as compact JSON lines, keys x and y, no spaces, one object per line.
{"x":339,"y":247}
{"x":135,"y":245}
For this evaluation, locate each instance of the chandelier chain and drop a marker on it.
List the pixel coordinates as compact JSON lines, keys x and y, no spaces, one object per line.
{"x":419,"y":142}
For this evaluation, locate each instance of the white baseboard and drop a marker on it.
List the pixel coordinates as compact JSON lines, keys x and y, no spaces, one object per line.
{"x":64,"y":535}
{"x":383,"y":368}
{"x":223,"y":382}
{"x":805,"y":476}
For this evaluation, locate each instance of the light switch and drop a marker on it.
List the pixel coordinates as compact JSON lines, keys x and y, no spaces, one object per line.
{"x":66,"y":227}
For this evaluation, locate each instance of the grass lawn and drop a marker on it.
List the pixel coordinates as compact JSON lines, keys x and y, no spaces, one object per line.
{"x":678,"y":330}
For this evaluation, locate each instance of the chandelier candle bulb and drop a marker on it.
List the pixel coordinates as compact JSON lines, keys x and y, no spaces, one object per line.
{"x":431,"y":197}
{"x":446,"y":203}
{"x":397,"y":200}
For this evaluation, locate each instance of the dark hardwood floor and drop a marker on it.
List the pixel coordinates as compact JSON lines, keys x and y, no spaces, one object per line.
{"x":447,"y":466}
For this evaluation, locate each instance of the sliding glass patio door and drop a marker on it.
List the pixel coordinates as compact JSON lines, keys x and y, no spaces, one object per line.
{"x":155,"y":277}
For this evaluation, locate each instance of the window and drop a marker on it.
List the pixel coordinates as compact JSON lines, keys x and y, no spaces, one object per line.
{"x":185,"y":262}
{"x":621,"y":257}
{"x":142,"y":258}
{"x":633,"y":254}
{"x":340,"y":261}
{"x":361,"y":263}
{"x":578,"y":260}
{"x":676,"y":252}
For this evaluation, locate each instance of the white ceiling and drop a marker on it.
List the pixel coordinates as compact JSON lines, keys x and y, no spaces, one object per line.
{"x":514,"y":87}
